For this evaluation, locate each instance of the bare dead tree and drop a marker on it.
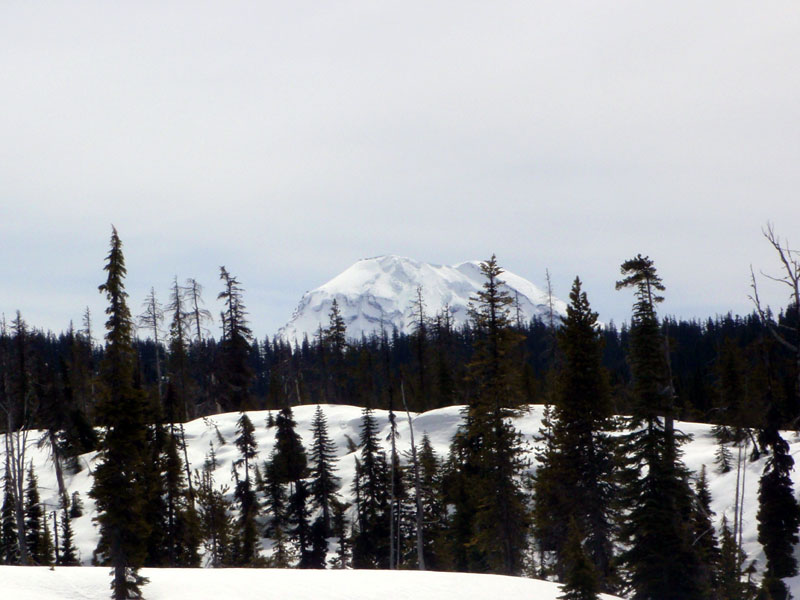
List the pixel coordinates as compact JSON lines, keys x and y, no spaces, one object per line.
{"x":417,"y":491}
{"x":790,"y":277}
{"x":151,"y":318}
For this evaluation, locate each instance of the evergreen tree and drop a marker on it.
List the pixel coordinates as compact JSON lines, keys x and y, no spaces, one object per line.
{"x":119,"y":486}
{"x":9,"y":543}
{"x":487,"y":453}
{"x":247,"y":551}
{"x":580,"y":575}
{"x":216,"y":525}
{"x":705,"y":538}
{"x":575,"y":478}
{"x":339,"y":529}
{"x":371,"y":541}
{"x":730,"y":560}
{"x":76,"y":506}
{"x":324,"y":482}
{"x":661,"y":561}
{"x":68,"y":553}
{"x":235,"y":373}
{"x":34,"y":521}
{"x":778,"y":512}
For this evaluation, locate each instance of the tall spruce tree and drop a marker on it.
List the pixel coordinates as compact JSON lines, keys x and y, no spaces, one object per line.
{"x":575,"y":481}
{"x":324,"y":482}
{"x":487,"y":450}
{"x":247,"y":551}
{"x":371,"y":540}
{"x":34,"y":521}
{"x":661,"y":561}
{"x":119,"y":486}
{"x":9,"y":543}
{"x":235,"y":373}
{"x":778,"y":512}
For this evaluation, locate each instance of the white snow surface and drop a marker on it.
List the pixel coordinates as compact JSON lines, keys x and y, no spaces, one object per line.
{"x":377,"y":293}
{"x":343,"y":422}
{"x":82,"y":583}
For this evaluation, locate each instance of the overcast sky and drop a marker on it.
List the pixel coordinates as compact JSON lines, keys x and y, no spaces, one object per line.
{"x":286,"y":140}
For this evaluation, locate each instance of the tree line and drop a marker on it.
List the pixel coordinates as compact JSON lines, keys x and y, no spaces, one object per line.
{"x":610,"y":507}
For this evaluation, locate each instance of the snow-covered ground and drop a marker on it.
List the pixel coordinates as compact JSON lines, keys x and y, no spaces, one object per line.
{"x":90,"y":583}
{"x":344,"y":423}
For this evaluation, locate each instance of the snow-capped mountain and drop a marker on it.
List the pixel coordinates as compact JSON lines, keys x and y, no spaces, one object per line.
{"x":380,"y":292}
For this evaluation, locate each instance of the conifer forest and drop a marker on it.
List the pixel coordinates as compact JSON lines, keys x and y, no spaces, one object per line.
{"x":600,"y":500}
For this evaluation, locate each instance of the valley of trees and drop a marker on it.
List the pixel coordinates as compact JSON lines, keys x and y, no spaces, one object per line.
{"x":611,"y":506}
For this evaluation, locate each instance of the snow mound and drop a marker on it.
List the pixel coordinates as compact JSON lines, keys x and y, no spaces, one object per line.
{"x":377,"y":293}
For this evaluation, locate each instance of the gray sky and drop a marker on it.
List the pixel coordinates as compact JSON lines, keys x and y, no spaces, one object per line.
{"x":286,"y":140}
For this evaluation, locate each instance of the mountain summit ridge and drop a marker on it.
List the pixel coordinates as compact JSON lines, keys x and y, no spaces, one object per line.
{"x":379,"y":292}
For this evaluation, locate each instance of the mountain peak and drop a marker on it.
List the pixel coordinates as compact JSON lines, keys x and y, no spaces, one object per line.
{"x":379,"y":292}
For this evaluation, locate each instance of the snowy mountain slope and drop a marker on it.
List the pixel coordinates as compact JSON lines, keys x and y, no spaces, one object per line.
{"x":380,"y":292}
{"x":344,"y":424}
{"x":80,"y":583}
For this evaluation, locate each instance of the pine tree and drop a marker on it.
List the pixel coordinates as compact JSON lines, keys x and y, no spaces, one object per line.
{"x":575,"y":479}
{"x":324,"y":482}
{"x":580,"y":575}
{"x":730,"y":560}
{"x":778,"y":512}
{"x":34,"y":521}
{"x":488,"y":449}
{"x":661,"y":561}
{"x":247,"y":552}
{"x":216,"y":525}
{"x":371,"y":542}
{"x":68,"y":553}
{"x":235,"y":373}
{"x":76,"y":506}
{"x":119,"y":485}
{"x":705,"y":538}
{"x":9,"y":543}
{"x":339,"y":529}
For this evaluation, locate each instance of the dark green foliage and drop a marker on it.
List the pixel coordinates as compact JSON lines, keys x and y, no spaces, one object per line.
{"x":68,"y":553}
{"x":324,"y":482}
{"x":35,"y":522}
{"x":75,"y":506}
{"x":235,"y":373}
{"x":216,"y":525}
{"x":433,"y":507}
{"x":119,"y":479}
{"x":371,"y":487}
{"x":778,"y":513}
{"x":9,"y":543}
{"x":704,"y":538}
{"x":490,"y":515}
{"x":575,"y":479}
{"x":339,"y":530}
{"x":661,"y":560}
{"x":247,"y":550}
{"x":580,"y":576}
{"x":182,"y":522}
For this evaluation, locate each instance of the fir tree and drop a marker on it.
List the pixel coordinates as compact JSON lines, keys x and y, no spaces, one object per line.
{"x":68,"y":553}
{"x":76,"y":506}
{"x":575,"y":479}
{"x":119,"y":485}
{"x":662,"y":562}
{"x":247,"y":552}
{"x":324,"y":482}
{"x":580,"y":575}
{"x":9,"y":543}
{"x":705,"y":538}
{"x":487,"y":450}
{"x":34,"y":521}
{"x":371,"y":542}
{"x":235,"y":373}
{"x":216,"y":525}
{"x":778,"y":512}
